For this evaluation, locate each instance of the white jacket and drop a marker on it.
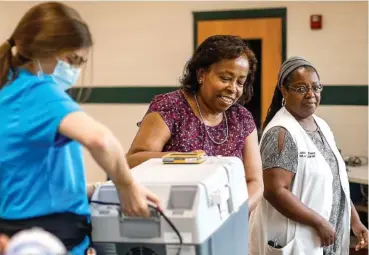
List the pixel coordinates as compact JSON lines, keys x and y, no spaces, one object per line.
{"x":312,"y":185}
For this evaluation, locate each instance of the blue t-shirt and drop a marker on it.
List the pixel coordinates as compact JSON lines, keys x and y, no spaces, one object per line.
{"x":41,"y":171}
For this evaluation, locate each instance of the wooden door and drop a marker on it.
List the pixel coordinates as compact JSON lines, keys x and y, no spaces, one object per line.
{"x":269,"y":31}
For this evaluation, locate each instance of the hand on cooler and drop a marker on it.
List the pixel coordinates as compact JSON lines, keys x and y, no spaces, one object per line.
{"x":135,"y":200}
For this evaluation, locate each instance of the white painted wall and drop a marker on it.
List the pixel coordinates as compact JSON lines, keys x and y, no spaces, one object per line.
{"x":148,"y":43}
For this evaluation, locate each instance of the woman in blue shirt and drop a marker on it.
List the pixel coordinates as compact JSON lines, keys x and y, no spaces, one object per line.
{"x":42,"y":181}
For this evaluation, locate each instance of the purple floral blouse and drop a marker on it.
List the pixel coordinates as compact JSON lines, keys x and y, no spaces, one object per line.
{"x":188,"y":131}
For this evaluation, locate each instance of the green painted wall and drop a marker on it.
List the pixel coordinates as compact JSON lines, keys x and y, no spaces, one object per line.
{"x":331,"y":95}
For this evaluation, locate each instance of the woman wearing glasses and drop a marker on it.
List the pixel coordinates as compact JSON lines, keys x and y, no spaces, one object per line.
{"x":306,"y":207}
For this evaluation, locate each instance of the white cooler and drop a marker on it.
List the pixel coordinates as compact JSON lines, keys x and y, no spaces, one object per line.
{"x":206,"y":203}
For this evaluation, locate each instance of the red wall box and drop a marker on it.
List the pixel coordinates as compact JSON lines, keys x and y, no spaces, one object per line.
{"x":316,"y":21}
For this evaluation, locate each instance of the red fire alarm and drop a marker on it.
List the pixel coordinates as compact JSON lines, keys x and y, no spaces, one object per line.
{"x":316,"y":21}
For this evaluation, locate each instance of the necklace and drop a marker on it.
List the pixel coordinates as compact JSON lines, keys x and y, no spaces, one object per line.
{"x":202,"y":119}
{"x":311,"y":131}
{"x":316,"y":131}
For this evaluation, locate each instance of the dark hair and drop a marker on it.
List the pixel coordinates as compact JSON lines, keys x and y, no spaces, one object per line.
{"x":214,"y":49}
{"x":47,"y":29}
{"x":276,"y":103}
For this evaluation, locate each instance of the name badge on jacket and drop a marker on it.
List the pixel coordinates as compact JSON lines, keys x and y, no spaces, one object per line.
{"x":304,"y":154}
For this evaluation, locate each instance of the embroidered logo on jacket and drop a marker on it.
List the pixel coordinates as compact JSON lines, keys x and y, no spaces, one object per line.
{"x":304,"y":154}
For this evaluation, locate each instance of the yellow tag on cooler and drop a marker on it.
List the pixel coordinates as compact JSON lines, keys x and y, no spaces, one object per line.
{"x":193,"y":157}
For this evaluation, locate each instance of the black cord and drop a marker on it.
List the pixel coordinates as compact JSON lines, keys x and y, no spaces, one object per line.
{"x":161,"y":213}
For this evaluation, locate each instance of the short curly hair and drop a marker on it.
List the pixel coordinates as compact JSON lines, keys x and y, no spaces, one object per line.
{"x":214,"y":49}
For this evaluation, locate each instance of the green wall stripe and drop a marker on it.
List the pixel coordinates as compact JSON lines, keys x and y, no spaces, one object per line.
{"x":240,"y":14}
{"x":123,"y":95}
{"x":244,"y":14}
{"x":331,"y":95}
{"x":345,"y":95}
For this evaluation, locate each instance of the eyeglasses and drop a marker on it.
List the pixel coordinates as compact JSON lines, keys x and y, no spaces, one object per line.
{"x":305,"y":89}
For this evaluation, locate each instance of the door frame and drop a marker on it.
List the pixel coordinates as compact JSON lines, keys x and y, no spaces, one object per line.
{"x":244,"y":14}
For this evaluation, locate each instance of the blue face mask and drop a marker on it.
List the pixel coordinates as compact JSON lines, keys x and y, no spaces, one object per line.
{"x":64,"y":75}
